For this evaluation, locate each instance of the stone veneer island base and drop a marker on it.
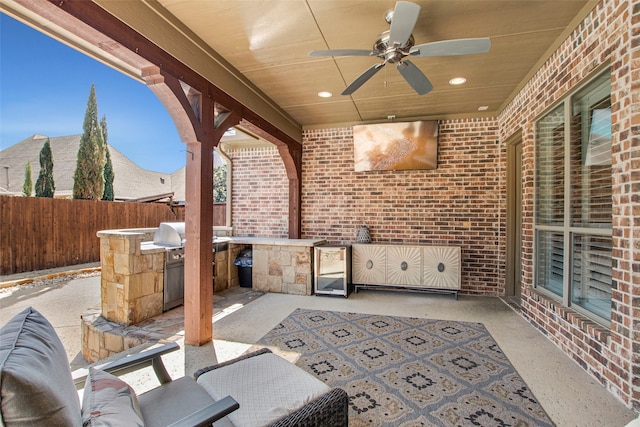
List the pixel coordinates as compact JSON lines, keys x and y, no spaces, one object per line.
{"x":133,"y":279}
{"x":281,"y":265}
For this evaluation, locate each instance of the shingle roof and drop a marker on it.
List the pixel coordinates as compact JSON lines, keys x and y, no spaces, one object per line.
{"x":130,"y":182}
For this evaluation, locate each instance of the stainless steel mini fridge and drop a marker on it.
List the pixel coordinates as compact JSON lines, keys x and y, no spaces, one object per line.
{"x":332,"y":270}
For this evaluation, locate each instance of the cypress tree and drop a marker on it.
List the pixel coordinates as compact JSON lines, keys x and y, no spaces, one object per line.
{"x":45,"y":187}
{"x":220,"y":184}
{"x":27,"y":187}
{"x":108,"y":166}
{"x":88,"y":179}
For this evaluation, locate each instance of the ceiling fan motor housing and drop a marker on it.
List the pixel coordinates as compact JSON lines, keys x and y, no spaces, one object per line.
{"x":391,"y":54}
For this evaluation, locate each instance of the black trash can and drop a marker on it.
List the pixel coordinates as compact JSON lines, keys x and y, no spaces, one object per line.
{"x":244,"y":262}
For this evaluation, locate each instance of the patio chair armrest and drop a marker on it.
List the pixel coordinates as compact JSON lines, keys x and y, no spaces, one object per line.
{"x":131,"y":363}
{"x":201,"y":371}
{"x":208,"y":414}
{"x":328,"y":410}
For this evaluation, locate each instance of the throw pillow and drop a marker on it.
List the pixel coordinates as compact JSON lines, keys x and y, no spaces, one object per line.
{"x":36,"y":387}
{"x":109,"y":401}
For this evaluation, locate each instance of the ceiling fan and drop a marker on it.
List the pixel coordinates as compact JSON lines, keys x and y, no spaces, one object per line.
{"x":397,"y":43}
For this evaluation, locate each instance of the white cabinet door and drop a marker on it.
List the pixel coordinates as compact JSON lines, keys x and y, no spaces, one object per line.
{"x":404,"y":265}
{"x":441,"y":267}
{"x":368,"y":265}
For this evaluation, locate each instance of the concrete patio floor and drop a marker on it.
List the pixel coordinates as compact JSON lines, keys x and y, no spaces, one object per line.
{"x":241,"y":317}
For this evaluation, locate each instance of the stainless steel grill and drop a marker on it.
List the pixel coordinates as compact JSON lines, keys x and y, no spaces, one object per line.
{"x":171,"y":236}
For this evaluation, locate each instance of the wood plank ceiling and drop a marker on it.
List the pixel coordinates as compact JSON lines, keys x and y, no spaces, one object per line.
{"x":269,"y":41}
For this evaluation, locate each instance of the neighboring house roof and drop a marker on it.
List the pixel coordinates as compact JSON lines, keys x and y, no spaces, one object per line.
{"x":178,"y":182}
{"x":130,"y":182}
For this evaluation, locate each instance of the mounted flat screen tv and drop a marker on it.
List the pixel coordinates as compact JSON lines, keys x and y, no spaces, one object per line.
{"x":396,"y":146}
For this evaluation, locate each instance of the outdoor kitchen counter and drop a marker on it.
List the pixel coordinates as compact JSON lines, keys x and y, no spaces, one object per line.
{"x":280,"y":265}
{"x":130,"y":261}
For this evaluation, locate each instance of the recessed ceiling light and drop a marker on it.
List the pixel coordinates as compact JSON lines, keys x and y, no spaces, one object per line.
{"x":457,"y":81}
{"x":483,"y":108}
{"x":325,"y":94}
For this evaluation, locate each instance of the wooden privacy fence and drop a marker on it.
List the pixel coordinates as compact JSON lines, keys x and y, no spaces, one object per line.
{"x":40,"y":233}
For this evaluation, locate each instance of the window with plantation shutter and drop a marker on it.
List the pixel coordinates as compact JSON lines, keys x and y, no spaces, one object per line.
{"x":550,"y":197}
{"x":550,"y":178}
{"x":573,"y":204}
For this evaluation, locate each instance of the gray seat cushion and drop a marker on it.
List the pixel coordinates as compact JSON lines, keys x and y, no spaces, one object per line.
{"x":172,"y":401}
{"x":267,"y":387}
{"x":35,"y":378}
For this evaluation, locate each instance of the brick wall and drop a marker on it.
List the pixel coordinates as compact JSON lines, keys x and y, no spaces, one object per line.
{"x":610,"y":35}
{"x":260,"y":193}
{"x":461,"y":203}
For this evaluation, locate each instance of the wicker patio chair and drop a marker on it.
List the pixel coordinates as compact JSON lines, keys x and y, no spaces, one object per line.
{"x":259,"y":392}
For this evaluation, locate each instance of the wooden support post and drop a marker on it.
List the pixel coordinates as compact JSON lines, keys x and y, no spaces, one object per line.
{"x":198,"y":274}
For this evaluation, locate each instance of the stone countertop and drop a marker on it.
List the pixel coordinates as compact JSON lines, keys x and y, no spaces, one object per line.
{"x":126,"y":233}
{"x":150,"y":247}
{"x":273,"y":241}
{"x":144,"y":233}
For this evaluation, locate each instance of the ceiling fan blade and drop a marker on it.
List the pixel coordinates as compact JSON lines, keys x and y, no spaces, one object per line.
{"x":362,"y":78}
{"x":416,"y":79}
{"x":452,"y":47}
{"x":341,"y":52}
{"x":405,"y":16}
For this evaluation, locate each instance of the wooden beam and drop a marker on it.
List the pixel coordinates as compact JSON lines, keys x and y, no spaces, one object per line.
{"x":107,"y":24}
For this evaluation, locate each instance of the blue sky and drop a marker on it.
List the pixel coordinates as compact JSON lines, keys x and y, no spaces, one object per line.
{"x":44,"y":87}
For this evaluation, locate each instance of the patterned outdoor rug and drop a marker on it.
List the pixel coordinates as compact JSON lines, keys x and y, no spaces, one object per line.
{"x":401,"y":371}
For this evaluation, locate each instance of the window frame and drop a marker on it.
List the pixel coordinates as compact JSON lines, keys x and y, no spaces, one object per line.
{"x":567,"y":230}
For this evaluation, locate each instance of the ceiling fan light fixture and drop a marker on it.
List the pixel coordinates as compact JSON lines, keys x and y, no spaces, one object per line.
{"x":457,"y":81}
{"x":325,"y":94}
{"x":388,"y":16}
